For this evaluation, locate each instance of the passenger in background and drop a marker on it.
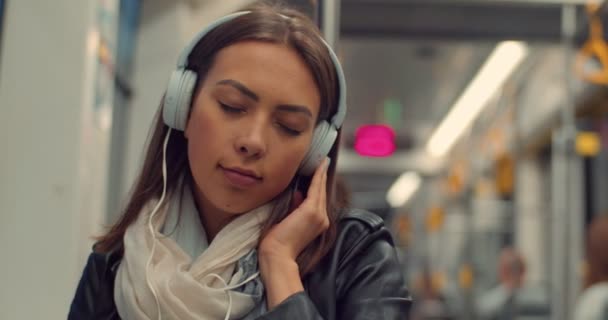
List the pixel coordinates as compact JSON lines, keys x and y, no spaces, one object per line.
{"x":499,"y":303}
{"x":593,"y":303}
{"x":430,"y":303}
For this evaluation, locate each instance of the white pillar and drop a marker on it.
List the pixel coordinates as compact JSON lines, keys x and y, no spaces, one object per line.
{"x":532,"y":223}
{"x":54,"y":144}
{"x":156,"y":53}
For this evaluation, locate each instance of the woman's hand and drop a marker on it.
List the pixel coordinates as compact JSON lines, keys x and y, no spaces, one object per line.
{"x":309,"y":219}
{"x":279,"y":249}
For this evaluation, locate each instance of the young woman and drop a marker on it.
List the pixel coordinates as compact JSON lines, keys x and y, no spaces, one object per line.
{"x":233,"y":215}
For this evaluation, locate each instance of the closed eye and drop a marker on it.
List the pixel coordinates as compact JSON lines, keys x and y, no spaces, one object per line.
{"x":230,"y":109}
{"x":289,"y":130}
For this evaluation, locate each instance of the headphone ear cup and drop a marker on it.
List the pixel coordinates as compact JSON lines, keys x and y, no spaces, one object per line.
{"x":322,"y":141}
{"x":178,"y":97}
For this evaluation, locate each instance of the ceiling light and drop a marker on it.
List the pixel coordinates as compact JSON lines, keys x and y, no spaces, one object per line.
{"x":403,"y":189}
{"x":496,"y":70}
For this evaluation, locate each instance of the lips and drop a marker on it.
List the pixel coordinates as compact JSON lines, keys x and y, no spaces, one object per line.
{"x":241,"y":178}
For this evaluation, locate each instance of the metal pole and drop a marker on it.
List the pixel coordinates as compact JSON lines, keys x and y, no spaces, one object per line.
{"x":330,"y":21}
{"x":557,"y":285}
{"x":565,"y":213}
{"x":568,"y":31}
{"x":574,"y":216}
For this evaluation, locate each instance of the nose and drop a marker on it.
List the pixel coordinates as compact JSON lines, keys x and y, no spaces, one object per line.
{"x":251,"y":142}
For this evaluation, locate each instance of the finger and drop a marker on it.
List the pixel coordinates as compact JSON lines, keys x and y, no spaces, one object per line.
{"x":312,"y":196}
{"x":323,"y":187}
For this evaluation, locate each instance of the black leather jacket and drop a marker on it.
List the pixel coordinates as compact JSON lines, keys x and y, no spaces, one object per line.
{"x":360,"y":278}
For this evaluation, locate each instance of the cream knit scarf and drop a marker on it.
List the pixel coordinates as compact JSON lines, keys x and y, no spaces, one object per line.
{"x":190,"y":279}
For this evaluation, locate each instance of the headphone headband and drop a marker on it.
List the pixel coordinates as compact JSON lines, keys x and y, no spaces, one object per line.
{"x":182,"y":61}
{"x":337,"y":120}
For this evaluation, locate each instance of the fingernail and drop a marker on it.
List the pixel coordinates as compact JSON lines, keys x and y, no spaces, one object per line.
{"x":327,"y":162}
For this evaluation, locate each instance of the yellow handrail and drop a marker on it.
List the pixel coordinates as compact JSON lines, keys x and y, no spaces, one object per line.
{"x":594,"y":47}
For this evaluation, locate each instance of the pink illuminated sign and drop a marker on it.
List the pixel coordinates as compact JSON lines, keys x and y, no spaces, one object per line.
{"x":375,"y":140}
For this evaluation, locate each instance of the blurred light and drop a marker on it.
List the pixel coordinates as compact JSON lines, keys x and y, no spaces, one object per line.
{"x":93,"y":39}
{"x":588,"y":144}
{"x":466,"y":276}
{"x":403,"y":189}
{"x":375,"y":141}
{"x":435,"y":219}
{"x":392,"y":112}
{"x":496,"y":70}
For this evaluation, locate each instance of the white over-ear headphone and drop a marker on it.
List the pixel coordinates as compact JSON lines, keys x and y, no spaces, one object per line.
{"x":181,"y":88}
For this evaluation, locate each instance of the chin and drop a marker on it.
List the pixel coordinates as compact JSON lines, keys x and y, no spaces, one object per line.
{"x":236,"y":210}
{"x":236,"y":205}
{"x":236,"y":202}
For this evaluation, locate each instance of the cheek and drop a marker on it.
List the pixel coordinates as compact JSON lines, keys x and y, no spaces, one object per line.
{"x":286,"y":163}
{"x":204,"y":139}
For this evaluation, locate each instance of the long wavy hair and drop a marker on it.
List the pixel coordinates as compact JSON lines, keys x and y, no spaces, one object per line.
{"x":267,"y":23}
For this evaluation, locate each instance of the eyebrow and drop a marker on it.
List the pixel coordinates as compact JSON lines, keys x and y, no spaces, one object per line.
{"x":241,"y":87}
{"x":294,"y":108}
{"x":247,"y":92}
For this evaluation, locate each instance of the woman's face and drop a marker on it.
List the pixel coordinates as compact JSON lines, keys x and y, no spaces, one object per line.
{"x":250,"y":126}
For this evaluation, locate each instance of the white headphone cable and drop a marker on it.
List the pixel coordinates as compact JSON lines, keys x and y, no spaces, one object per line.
{"x":160,"y":201}
{"x":228,"y":288}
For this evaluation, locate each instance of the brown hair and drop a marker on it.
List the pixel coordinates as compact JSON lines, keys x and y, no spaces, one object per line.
{"x":597,"y":255}
{"x":267,"y":23}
